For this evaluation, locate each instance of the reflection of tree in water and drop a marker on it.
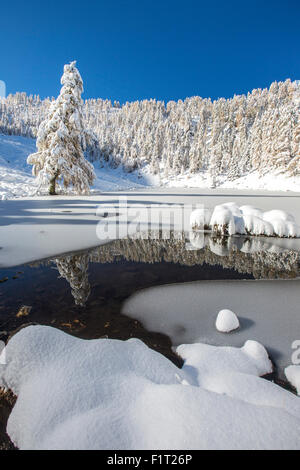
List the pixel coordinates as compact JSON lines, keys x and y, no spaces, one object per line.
{"x":74,"y":269}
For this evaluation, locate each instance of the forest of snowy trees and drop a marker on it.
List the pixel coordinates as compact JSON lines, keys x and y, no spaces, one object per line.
{"x":230,"y":137}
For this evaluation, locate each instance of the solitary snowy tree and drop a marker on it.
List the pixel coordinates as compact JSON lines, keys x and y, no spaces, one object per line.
{"x":62,"y":139}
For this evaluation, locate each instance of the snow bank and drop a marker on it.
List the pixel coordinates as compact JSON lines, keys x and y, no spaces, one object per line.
{"x":229,"y":219}
{"x":222,"y":221}
{"x":256,"y":226}
{"x":292,"y":373}
{"x":268,"y":312}
{"x":250,"y":210}
{"x":278,"y":215}
{"x":201,"y":359}
{"x":227,"y":321}
{"x":110,"y":394}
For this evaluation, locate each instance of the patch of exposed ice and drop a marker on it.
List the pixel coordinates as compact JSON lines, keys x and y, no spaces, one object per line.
{"x":292,"y":373}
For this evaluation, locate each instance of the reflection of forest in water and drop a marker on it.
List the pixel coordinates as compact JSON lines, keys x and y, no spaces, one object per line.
{"x":257,"y":257}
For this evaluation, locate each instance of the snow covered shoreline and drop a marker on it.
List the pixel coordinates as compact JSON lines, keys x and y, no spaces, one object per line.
{"x":37,"y":228}
{"x":111,"y":394}
{"x":267,"y":310}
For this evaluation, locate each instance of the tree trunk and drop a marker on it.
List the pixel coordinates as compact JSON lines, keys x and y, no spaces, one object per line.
{"x":52,"y":185}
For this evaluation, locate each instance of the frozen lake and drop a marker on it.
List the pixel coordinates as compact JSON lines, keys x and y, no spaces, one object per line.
{"x":36,"y":228}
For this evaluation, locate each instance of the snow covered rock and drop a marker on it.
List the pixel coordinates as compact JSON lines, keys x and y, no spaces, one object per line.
{"x":292,"y":230}
{"x":227,"y":321}
{"x":111,"y":394}
{"x":233,"y":207}
{"x":286,"y":229}
{"x":276,"y":214}
{"x":200,"y":218}
{"x":205,"y":359}
{"x":254,"y":225}
{"x":292,"y":373}
{"x":197,"y":241}
{"x":222,"y":221}
{"x":219,"y":246}
{"x":284,"y":224}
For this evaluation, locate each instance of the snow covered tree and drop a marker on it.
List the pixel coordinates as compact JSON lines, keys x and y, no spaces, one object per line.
{"x":62,"y":139}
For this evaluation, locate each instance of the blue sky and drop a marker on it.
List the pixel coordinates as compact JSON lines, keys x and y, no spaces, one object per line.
{"x":128,"y":50}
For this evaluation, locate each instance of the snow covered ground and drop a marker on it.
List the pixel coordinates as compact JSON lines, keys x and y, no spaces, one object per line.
{"x":268,"y":312}
{"x":110,"y":394}
{"x":16,"y":179}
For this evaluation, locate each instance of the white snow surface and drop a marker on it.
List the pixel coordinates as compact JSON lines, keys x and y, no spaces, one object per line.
{"x":292,"y":373}
{"x":268,"y":312}
{"x":111,"y":394}
{"x":227,"y":321}
{"x":39,"y":227}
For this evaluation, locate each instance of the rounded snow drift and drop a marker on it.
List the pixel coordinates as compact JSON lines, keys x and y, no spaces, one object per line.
{"x":227,"y":321}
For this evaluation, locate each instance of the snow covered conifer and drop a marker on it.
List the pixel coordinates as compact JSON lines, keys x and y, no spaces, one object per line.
{"x":62,"y":139}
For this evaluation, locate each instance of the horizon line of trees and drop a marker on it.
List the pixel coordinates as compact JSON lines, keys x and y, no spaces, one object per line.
{"x":259,"y":131}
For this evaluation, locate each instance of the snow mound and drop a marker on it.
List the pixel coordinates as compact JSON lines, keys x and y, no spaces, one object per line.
{"x":292,"y":373}
{"x":229,"y":219}
{"x":254,"y":225}
{"x":111,"y":394}
{"x":200,"y":218}
{"x":227,"y":321}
